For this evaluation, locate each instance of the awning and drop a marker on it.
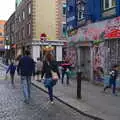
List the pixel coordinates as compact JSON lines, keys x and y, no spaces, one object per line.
{"x":113,"y":34}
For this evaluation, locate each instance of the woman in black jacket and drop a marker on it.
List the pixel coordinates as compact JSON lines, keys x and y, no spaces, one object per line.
{"x":50,"y":65}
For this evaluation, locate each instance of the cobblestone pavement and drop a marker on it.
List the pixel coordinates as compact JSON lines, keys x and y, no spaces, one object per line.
{"x":12,"y":106}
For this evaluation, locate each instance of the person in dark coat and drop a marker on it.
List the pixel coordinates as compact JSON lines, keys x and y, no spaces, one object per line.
{"x":26,"y":68}
{"x":11,"y":69}
{"x":50,"y":65}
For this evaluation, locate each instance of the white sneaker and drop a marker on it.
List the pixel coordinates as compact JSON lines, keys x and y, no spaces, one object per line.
{"x":52,"y":102}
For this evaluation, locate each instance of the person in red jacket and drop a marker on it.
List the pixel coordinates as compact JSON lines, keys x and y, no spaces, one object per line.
{"x":65,"y":68}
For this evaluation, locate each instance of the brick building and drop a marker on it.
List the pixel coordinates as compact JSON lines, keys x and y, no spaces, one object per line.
{"x":34,"y":17}
{"x":10,"y":41}
{"x":2,"y":38}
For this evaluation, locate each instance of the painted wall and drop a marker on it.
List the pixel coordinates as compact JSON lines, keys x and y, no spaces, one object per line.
{"x":99,"y":32}
{"x":44,"y":18}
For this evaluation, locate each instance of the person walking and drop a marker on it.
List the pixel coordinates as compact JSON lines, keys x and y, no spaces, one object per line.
{"x":50,"y":65}
{"x":65,"y":70}
{"x":11,"y":69}
{"x":26,"y":69}
{"x":39,"y":66}
{"x":112,"y":79}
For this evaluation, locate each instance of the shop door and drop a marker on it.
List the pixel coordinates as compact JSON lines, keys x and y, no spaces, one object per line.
{"x":113,"y":56}
{"x":85,"y":63}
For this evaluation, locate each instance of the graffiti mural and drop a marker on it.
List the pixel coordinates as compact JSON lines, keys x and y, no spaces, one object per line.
{"x":72,"y":56}
{"x":98,"y":62}
{"x":105,"y":51}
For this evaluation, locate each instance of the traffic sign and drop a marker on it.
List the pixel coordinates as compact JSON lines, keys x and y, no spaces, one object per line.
{"x":43,"y":37}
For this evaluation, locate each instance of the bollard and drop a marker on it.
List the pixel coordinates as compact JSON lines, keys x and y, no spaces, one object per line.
{"x":79,"y":75}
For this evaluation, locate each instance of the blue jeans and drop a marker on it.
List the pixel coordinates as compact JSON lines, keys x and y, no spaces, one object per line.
{"x":112,"y":83}
{"x":63,"y":74}
{"x":50,"y":92}
{"x":12,"y":78}
{"x":49,"y":84}
{"x":26,"y":86}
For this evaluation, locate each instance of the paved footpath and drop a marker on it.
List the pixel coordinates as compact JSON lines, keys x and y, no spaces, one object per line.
{"x":93,"y":102}
{"x":12,"y":106}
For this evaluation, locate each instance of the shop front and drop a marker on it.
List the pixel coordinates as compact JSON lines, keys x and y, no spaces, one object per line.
{"x":40,"y":49}
{"x":102,"y":50}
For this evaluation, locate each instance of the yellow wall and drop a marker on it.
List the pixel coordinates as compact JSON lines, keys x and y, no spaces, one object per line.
{"x":44,"y":18}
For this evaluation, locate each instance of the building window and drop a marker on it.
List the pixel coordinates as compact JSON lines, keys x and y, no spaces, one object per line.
{"x":29,"y":9}
{"x":19,"y":19}
{"x":81,"y":10}
{"x":23,"y":15}
{"x":64,"y":29}
{"x":0,"y":33}
{"x":28,"y":29}
{"x":109,"y":4}
{"x":64,"y":9}
{"x":23,"y":33}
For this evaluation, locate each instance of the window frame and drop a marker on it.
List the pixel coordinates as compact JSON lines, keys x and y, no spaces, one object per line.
{"x":29,"y":9}
{"x":110,"y":5}
{"x":63,"y":33}
{"x":81,"y":9}
{"x":23,"y":15}
{"x":64,"y":9}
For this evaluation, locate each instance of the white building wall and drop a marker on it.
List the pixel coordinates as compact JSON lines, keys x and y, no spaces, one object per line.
{"x":35,"y":52}
{"x":58,"y":53}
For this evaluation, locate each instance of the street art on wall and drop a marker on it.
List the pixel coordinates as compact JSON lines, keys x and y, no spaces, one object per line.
{"x":72,"y":56}
{"x":112,"y":29}
{"x":98,"y":62}
{"x":99,"y":31}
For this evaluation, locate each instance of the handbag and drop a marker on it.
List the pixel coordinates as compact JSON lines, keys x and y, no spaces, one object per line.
{"x":54,"y":75}
{"x":48,"y":82}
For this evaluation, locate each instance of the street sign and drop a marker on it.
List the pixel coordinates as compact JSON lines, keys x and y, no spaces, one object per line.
{"x":43,"y":37}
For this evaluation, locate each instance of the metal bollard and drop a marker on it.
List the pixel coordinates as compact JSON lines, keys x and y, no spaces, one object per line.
{"x":79,"y":75}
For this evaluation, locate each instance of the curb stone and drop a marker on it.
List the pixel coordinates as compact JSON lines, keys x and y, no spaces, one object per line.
{"x":81,"y":112}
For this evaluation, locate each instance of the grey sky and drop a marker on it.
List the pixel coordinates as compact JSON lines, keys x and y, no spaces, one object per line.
{"x":7,"y":7}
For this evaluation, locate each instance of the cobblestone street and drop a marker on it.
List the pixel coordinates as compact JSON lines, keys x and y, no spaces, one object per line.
{"x":12,"y":106}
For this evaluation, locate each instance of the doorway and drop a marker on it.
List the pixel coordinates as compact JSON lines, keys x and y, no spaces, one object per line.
{"x":85,"y":62}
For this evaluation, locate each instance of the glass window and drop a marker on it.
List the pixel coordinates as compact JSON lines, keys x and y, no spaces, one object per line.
{"x":64,"y":29}
{"x":81,"y":12}
{"x":64,"y":8}
{"x":0,"y":34}
{"x":23,"y":15}
{"x":28,"y":28}
{"x":109,"y":4}
{"x":106,"y":4}
{"x":113,"y":3}
{"x":19,"y":19}
{"x":29,"y":9}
